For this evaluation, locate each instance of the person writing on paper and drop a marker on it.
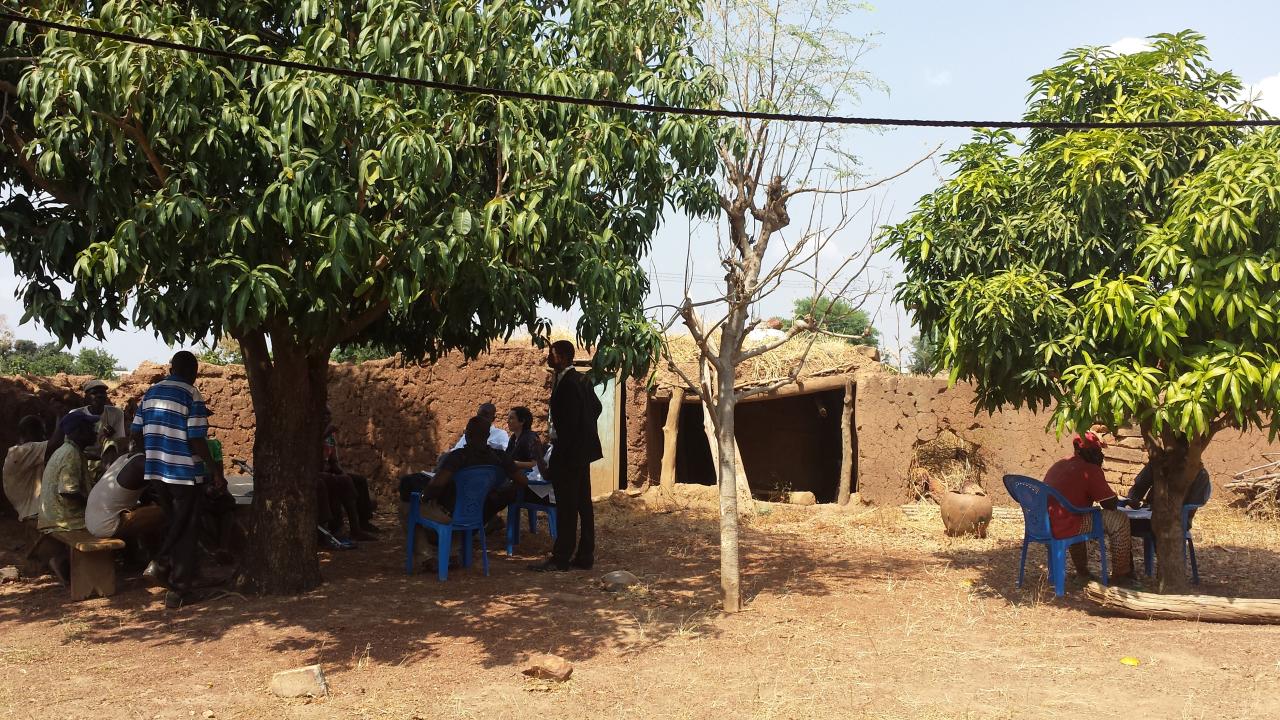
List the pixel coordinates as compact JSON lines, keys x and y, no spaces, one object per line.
{"x":526,"y":450}
{"x":1140,"y":496}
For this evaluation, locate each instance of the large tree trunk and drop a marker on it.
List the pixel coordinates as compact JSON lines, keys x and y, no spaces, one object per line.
{"x":1174,"y":465}
{"x":289,"y":388}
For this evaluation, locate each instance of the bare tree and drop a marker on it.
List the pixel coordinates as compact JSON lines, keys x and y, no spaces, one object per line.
{"x":788,"y":55}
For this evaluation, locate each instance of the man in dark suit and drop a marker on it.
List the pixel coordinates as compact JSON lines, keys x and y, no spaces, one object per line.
{"x":575,"y":444}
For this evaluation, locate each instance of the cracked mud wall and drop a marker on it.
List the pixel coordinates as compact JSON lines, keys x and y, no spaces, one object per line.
{"x":895,"y":412}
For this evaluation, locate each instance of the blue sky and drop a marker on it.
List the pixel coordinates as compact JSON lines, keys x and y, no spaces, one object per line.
{"x":954,"y":60}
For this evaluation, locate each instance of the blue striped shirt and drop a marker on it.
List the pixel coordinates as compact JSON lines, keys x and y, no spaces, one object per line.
{"x":172,"y":412}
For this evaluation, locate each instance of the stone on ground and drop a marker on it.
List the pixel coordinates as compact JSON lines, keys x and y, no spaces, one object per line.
{"x":801,"y":498}
{"x":8,"y":574}
{"x":548,"y":667}
{"x":619,"y":580}
{"x":300,"y":682}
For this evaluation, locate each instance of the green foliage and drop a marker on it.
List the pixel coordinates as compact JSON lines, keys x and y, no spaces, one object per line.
{"x":1129,"y":275}
{"x":925,"y":355}
{"x":361,"y":352}
{"x":838,"y":316}
{"x":202,"y":198}
{"x":25,"y":357}
{"x":225,"y":352}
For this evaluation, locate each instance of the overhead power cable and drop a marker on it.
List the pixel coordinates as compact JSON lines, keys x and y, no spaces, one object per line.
{"x":620,"y":105}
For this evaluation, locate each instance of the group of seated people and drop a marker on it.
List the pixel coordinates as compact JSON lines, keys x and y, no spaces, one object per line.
{"x":1082,"y":481}
{"x":517,"y":451}
{"x":85,"y":481}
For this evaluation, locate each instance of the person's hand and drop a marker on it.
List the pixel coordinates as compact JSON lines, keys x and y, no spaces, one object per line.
{"x":219,"y":482}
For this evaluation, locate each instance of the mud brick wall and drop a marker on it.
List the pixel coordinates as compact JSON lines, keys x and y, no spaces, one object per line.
{"x":392,"y":418}
{"x":895,"y":412}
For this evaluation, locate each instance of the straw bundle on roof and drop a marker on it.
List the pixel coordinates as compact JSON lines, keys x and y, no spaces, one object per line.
{"x":827,"y":356}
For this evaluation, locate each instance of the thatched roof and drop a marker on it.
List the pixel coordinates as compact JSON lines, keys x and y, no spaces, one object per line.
{"x":826,"y":357}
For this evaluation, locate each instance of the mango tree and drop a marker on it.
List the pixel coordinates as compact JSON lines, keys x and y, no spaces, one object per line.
{"x":298,"y":211}
{"x":1119,"y":276}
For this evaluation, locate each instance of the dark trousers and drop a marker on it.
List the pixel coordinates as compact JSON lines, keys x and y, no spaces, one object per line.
{"x":364,"y":501}
{"x":572,"y":484}
{"x":181,"y":505}
{"x":342,"y":499}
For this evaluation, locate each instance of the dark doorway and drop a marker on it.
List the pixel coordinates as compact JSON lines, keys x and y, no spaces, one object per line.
{"x":791,"y":443}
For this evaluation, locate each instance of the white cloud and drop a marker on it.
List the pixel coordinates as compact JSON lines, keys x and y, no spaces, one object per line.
{"x":942,"y":77}
{"x":1129,"y":45}
{"x":1267,"y":92}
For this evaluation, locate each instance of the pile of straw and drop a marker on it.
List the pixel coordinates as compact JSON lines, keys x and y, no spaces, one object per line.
{"x":827,"y":356}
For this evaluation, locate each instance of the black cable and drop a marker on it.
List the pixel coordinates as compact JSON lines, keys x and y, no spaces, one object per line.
{"x":634,"y":107}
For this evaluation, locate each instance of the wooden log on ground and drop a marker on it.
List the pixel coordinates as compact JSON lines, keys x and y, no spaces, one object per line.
{"x":846,"y":439}
{"x":1205,"y":608}
{"x":670,"y":434}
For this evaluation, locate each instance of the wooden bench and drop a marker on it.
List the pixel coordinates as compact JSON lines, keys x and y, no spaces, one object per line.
{"x":93,"y":563}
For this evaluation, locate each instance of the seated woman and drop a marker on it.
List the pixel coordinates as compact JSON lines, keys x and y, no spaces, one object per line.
{"x":526,"y":451}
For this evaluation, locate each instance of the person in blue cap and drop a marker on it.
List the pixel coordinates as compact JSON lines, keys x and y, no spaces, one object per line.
{"x":64,"y":488}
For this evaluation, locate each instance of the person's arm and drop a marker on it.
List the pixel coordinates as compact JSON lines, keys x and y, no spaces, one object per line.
{"x":513,"y":471}
{"x":55,"y":441}
{"x":72,"y":483}
{"x":1137,"y":496}
{"x":438,"y":483}
{"x":200,"y":449}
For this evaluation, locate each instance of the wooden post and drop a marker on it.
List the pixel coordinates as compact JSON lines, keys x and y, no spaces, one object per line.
{"x":846,"y":437}
{"x":670,"y":436}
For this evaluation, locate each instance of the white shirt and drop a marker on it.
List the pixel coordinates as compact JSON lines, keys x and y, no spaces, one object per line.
{"x":498,"y":439}
{"x":23,"y":469}
{"x":112,"y":417}
{"x":108,"y":499}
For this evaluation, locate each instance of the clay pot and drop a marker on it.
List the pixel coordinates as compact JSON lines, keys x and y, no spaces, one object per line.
{"x":965,"y":514}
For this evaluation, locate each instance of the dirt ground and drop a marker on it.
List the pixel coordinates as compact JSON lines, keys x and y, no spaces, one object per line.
{"x":859,"y":613}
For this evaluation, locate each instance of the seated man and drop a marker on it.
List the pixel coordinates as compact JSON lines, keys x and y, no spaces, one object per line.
{"x":441,"y":488}
{"x":496,"y":437}
{"x":113,"y":509}
{"x":218,"y":507}
{"x":64,"y":489}
{"x":1081,"y":481}
{"x":348,"y":493}
{"x":1140,"y":496}
{"x":23,"y":467}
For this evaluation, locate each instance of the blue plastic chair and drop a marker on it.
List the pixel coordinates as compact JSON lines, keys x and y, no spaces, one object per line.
{"x":1188,"y":545}
{"x":472,"y":486}
{"x":532,"y":510}
{"x":1034,"y":497}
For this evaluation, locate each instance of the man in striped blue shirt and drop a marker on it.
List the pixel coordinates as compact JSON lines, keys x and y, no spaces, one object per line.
{"x":172,"y":424}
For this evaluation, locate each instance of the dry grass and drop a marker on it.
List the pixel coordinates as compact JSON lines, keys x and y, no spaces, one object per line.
{"x":827,"y":356}
{"x":854,"y":612}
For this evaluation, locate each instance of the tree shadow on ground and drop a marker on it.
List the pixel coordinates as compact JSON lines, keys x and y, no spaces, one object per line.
{"x":1226,"y":569}
{"x":369,"y":610}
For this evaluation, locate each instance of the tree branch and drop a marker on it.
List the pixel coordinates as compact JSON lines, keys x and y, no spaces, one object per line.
{"x":60,"y":193}
{"x":868,"y":186}
{"x":357,"y":325}
{"x":135,"y":132}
